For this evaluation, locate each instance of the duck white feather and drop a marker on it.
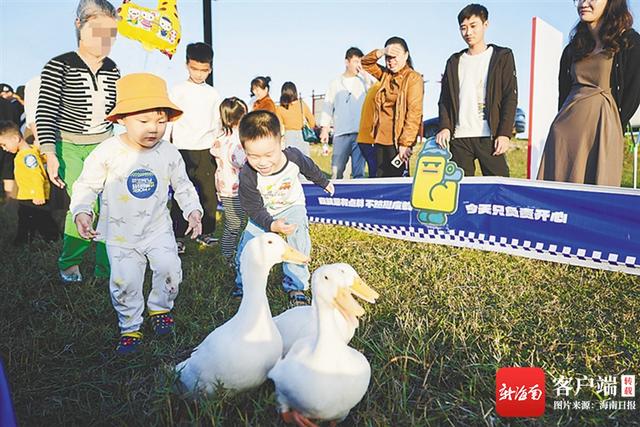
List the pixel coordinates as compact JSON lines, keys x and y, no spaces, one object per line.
{"x":300,"y":322}
{"x":239,"y":354}
{"x":322,"y":377}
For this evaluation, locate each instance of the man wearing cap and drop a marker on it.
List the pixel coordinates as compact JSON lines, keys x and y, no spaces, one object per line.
{"x":6,"y":92}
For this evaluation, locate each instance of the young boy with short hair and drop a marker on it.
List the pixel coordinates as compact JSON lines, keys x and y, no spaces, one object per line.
{"x":271,"y":194}
{"x":132,"y":173}
{"x":194,"y":133}
{"x":33,"y":186}
{"x":478,"y":99}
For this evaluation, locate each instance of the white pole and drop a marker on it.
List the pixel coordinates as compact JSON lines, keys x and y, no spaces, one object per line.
{"x":635,"y":164}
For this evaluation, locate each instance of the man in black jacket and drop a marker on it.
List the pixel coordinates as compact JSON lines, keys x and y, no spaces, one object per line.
{"x":478,"y":99}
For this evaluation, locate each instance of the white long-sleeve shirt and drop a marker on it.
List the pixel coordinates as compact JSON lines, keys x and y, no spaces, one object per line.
{"x":31,"y":91}
{"x":133,"y":186}
{"x":343,"y":103}
{"x":199,"y":124}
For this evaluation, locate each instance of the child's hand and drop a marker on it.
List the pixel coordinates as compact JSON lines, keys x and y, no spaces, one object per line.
{"x":195,"y":224}
{"x":84,"y":223}
{"x":38,"y":202}
{"x":330,"y":189}
{"x":281,"y":226}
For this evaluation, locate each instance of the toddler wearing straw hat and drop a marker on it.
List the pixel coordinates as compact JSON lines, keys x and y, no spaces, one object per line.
{"x":132,"y":173}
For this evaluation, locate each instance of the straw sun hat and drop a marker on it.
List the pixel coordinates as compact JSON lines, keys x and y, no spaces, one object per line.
{"x":139,"y":92}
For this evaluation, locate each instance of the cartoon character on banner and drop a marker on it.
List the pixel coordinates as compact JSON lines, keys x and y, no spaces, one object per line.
{"x":154,"y":28}
{"x":435,"y":184}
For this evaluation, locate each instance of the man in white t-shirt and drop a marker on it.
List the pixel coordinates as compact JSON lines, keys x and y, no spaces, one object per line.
{"x":31,"y":93}
{"x":478,"y":99}
{"x":342,"y":106}
{"x":193,"y":134}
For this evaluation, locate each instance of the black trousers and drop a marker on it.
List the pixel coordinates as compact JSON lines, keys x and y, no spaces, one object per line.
{"x":6,"y":165}
{"x":34,"y":219}
{"x":201,"y":167}
{"x":464,"y":151}
{"x":384,"y":155}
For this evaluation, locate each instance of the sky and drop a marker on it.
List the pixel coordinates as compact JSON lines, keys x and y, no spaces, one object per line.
{"x":300,"y":41}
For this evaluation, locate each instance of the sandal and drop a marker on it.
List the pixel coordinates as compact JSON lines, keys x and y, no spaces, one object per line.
{"x":181,"y":247}
{"x":69,"y":278}
{"x":237,"y":293}
{"x":297,"y":299}
{"x":207,"y":239}
{"x":162,"y":323}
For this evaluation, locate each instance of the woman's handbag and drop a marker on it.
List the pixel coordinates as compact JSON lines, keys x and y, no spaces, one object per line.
{"x":308,"y":134}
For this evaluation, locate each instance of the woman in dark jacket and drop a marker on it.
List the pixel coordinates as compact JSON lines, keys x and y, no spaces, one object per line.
{"x":599,"y":92}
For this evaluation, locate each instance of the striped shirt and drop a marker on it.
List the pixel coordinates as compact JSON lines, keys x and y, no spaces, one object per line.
{"x":73,"y":99}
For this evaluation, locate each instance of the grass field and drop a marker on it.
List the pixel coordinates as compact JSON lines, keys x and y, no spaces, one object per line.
{"x":447,"y":318}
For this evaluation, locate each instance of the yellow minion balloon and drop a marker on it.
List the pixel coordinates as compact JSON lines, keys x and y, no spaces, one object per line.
{"x":435,"y":184}
{"x":154,"y":28}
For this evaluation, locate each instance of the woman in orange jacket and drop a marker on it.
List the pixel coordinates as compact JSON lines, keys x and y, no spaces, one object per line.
{"x":293,"y":113}
{"x":398,"y":106}
{"x":260,"y":89}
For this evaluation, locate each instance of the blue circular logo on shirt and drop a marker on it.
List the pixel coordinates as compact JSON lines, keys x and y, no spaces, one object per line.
{"x":30,"y":161}
{"x":142,"y":183}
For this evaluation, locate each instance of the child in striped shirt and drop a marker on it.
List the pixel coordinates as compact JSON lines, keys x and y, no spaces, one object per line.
{"x":230,"y":157}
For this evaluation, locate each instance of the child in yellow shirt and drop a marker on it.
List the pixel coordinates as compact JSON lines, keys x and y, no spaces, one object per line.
{"x":33,"y":187}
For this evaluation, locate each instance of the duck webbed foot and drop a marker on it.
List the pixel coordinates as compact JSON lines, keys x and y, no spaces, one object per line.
{"x":291,"y":417}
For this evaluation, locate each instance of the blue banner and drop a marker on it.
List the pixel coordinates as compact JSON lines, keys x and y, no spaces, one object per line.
{"x":585,"y":225}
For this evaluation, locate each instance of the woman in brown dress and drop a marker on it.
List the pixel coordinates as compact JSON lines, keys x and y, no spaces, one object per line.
{"x":599,"y":92}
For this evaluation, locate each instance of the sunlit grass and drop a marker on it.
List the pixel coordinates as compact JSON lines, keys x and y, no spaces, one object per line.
{"x":446,"y":319}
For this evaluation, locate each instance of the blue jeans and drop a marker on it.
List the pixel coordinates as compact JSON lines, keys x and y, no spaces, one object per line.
{"x":293,"y":138}
{"x":369,"y":153}
{"x":345,"y":146}
{"x":296,"y":277}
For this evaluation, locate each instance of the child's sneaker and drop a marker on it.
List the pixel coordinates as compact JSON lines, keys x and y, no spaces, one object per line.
{"x":129,"y":342}
{"x":162,"y":323}
{"x":297,"y":298}
{"x":237,"y":293}
{"x":181,"y":247}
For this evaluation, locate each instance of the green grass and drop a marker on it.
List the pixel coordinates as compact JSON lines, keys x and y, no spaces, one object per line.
{"x":446,"y":319}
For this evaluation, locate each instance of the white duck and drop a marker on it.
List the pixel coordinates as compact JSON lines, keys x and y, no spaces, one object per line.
{"x":239,"y":354}
{"x":300,"y":322}
{"x":322,"y":377}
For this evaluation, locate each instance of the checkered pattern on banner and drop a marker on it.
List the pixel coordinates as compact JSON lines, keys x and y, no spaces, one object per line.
{"x":538,"y":250}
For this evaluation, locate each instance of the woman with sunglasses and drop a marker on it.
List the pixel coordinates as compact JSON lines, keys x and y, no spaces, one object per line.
{"x":599,"y":85}
{"x":397,"y":107}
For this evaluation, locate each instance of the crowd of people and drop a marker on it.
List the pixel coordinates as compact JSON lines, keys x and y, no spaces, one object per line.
{"x":188,"y":148}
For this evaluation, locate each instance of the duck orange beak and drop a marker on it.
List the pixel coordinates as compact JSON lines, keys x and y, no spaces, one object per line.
{"x":295,"y":257}
{"x":363,"y":291}
{"x":348,"y":306}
